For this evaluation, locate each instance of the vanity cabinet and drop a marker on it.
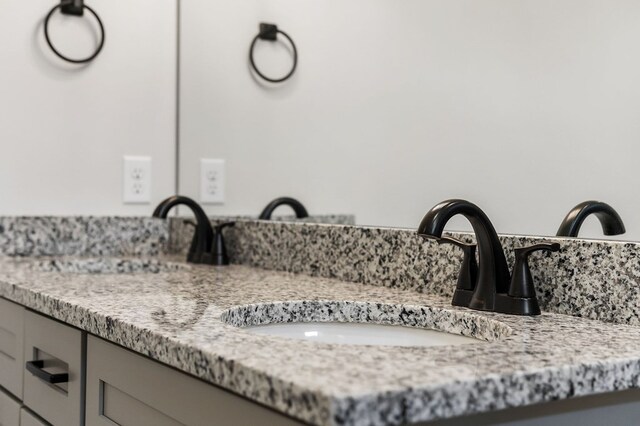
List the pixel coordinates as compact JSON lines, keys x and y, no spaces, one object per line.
{"x":11,"y":347}
{"x":9,"y":410}
{"x":54,"y":382}
{"x":29,"y":419}
{"x":70,"y":379}
{"x":99,"y":383}
{"x":126,"y":389}
{"x":26,"y":336}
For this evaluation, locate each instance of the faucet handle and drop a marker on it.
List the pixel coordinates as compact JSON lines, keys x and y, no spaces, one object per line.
{"x":192,"y":255}
{"x":521,"y":280}
{"x":219,"y":250}
{"x":469,"y":269}
{"x":219,"y":227}
{"x":526,"y":251}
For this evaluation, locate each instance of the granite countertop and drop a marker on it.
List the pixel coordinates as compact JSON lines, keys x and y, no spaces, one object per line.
{"x":187,"y":316}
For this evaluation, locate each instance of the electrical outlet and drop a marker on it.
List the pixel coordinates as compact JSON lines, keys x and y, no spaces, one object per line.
{"x":211,"y":181}
{"x":137,"y":180}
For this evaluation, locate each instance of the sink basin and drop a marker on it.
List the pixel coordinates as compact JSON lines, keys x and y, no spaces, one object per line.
{"x":106,"y":265}
{"x":366,"y":323}
{"x":362,"y":334}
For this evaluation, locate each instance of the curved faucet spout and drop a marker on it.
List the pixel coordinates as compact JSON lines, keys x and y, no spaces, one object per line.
{"x":609,"y":219}
{"x":493,"y":273}
{"x":296,"y":205}
{"x":201,"y":245}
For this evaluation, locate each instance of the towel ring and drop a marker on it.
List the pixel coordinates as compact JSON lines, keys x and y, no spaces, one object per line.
{"x":77,"y":9}
{"x":270,"y":32}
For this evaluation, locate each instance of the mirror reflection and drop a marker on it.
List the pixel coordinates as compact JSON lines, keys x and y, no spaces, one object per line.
{"x":367,"y":111}
{"x":525,"y":108}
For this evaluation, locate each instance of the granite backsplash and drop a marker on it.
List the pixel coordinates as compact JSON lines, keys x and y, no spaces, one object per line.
{"x":587,"y":278}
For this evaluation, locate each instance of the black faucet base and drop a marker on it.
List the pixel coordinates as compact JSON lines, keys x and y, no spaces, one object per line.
{"x":462,"y":298}
{"x":504,"y":304}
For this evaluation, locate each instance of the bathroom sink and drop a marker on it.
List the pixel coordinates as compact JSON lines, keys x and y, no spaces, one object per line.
{"x":365,"y":323}
{"x":106,"y":265}
{"x":361,"y":334}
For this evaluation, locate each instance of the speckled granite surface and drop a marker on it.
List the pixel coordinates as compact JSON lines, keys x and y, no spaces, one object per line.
{"x":82,"y":236}
{"x":184,"y":319}
{"x":181,"y":231}
{"x":110,"y":235}
{"x":592,"y":279}
{"x":106,"y":265}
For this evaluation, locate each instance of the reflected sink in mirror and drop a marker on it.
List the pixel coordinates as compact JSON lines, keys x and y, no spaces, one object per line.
{"x":343,"y":333}
{"x":106,"y":265}
{"x":366,"y":323}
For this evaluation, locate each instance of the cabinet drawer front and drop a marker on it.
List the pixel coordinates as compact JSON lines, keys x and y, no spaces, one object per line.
{"x":59,"y":348}
{"x":28,"y":419}
{"x":9,"y":410}
{"x":124,"y":409}
{"x":127,"y":389}
{"x":11,"y":347}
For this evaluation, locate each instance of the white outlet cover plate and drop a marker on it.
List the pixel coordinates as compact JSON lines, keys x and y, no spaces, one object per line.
{"x":212,"y":181}
{"x":137,"y":180}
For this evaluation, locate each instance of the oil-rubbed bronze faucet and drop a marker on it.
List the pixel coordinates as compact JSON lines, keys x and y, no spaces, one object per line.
{"x":609,"y":219}
{"x":296,"y":205}
{"x":494,"y":290}
{"x":201,"y":244}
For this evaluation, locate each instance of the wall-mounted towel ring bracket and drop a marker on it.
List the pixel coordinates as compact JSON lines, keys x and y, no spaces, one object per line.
{"x":269,"y":32}
{"x":71,"y":7}
{"x":75,"y":8}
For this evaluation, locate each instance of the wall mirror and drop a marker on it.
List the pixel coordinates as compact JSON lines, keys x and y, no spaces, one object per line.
{"x":526,"y":108}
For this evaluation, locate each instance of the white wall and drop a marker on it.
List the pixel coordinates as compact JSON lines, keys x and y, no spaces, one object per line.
{"x":64,"y":129}
{"x":526,"y":107}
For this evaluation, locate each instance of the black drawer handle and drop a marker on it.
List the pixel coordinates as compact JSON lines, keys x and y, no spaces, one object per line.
{"x":35,"y":368}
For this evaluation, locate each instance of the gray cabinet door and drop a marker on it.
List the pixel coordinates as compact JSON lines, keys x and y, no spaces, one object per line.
{"x":127,"y":389}
{"x":11,"y":347}
{"x":9,"y":410}
{"x":28,"y":419}
{"x":59,"y":348}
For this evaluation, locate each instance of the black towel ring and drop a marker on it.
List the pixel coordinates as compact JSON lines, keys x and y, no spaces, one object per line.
{"x":69,"y":7}
{"x":270,"y":32}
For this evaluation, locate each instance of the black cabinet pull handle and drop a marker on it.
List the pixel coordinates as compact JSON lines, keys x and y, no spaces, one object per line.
{"x":35,"y":368}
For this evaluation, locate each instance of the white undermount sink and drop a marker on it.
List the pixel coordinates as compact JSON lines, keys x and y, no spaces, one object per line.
{"x":361,"y":334}
{"x":365,"y":323}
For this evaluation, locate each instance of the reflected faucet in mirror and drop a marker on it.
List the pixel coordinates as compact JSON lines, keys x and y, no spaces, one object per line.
{"x":200,"y":250}
{"x":493,"y":290}
{"x":298,"y":208}
{"x":609,"y":219}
